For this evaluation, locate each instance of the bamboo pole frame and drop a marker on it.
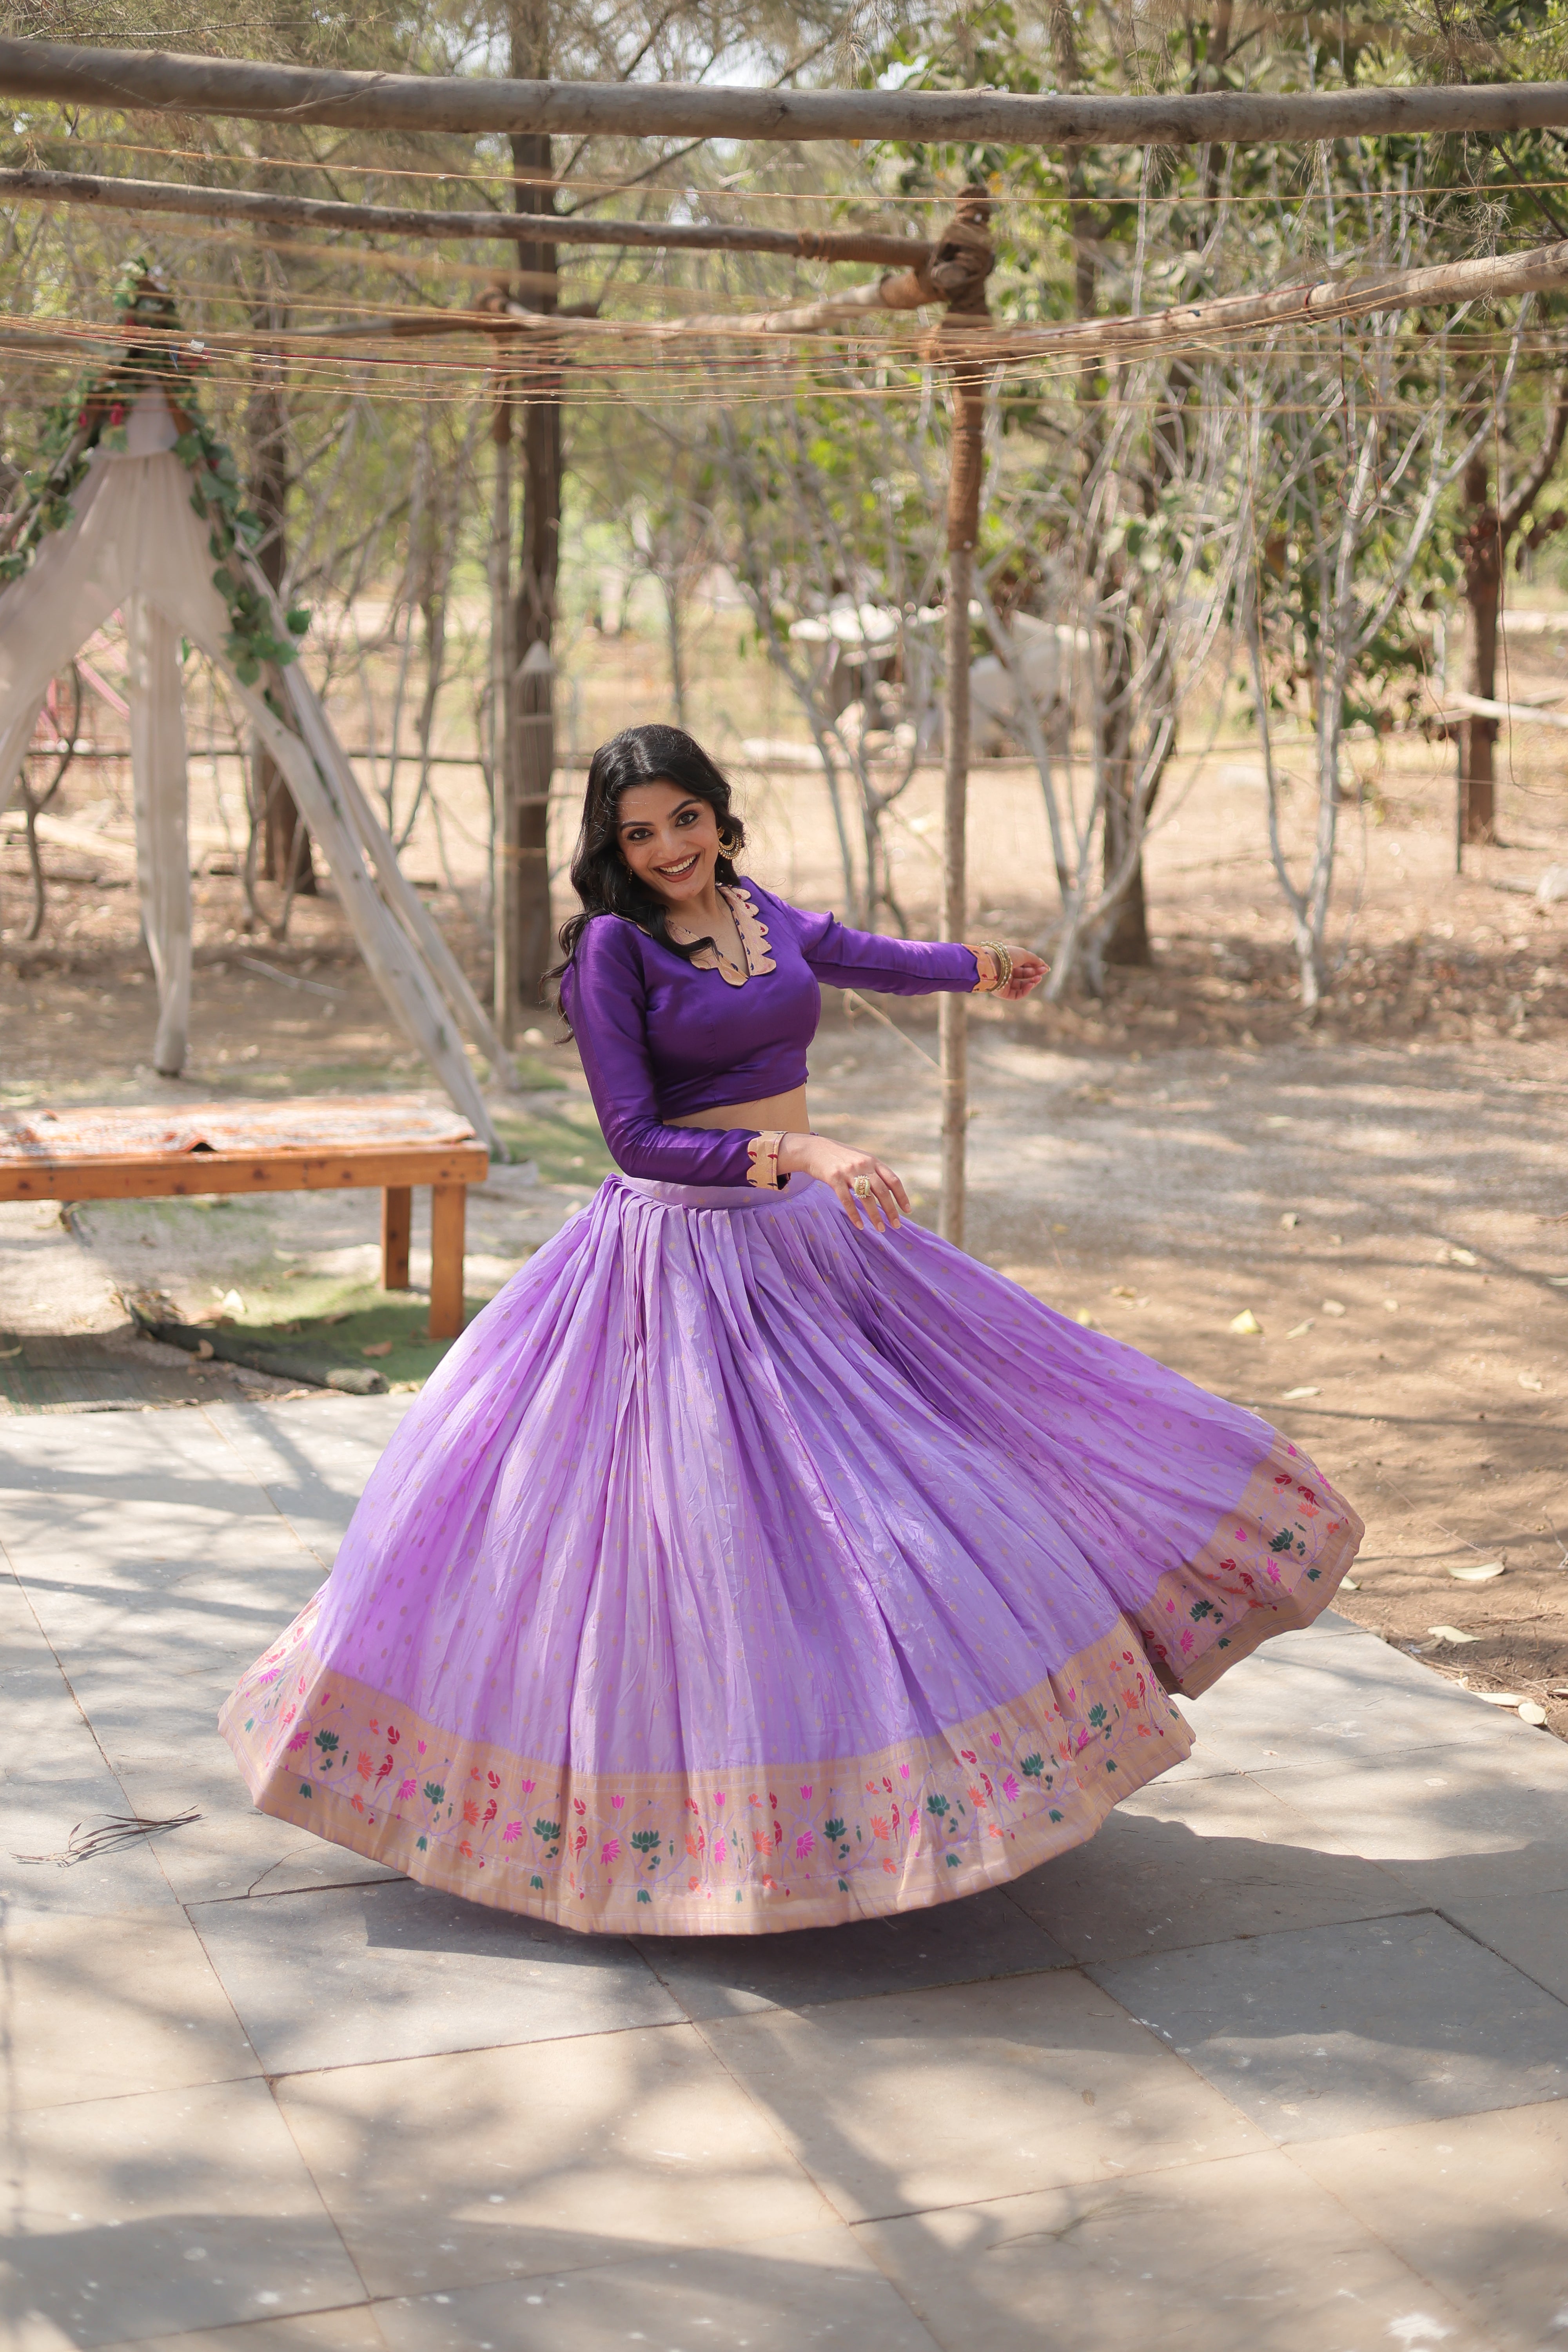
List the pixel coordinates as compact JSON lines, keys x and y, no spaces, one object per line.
{"x":511,"y":229}
{"x":166,"y":82}
{"x":1491,"y":278}
{"x":129,"y":80}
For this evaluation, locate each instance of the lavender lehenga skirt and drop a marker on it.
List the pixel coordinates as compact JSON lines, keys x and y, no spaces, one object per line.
{"x":740,"y":1571}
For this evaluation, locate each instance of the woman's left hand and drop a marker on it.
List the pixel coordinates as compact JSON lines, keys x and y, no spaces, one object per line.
{"x":1028,"y":971}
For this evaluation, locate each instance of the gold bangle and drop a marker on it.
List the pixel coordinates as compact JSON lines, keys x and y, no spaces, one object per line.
{"x":763,"y":1151}
{"x":994,"y":966}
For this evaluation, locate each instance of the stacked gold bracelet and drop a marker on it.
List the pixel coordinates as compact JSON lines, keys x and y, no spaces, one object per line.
{"x":1001,"y":967}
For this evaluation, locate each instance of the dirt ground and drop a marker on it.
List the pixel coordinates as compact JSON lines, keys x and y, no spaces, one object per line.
{"x":1383,"y":1192}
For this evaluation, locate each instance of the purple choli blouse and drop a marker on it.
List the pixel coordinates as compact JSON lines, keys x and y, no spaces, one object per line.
{"x":661,"y":1038}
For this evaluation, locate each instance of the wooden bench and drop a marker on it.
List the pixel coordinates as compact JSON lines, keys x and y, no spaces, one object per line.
{"x":317,"y":1145}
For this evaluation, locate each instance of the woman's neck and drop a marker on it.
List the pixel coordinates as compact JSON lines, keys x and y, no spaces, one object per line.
{"x":697,"y":914}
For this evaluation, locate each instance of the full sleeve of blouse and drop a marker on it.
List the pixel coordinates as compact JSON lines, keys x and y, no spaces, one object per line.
{"x":605,"y":991}
{"x":841,"y":957}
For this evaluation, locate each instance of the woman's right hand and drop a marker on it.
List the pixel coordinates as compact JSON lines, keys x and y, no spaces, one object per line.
{"x":885,"y":1205}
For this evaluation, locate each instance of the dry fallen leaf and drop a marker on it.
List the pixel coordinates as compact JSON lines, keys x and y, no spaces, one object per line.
{"x":1529,"y":1380}
{"x":1300,"y":1330}
{"x":1480,"y":1573}
{"x":1533,"y":1712}
{"x":1453,"y":1255}
{"x":1291,"y":1220}
{"x":377,"y":1348}
{"x":1246,"y":1323}
{"x":1122,"y":1290}
{"x":1391,"y":1304}
{"x":203,"y":1350}
{"x":1335,"y":1307}
{"x":1348,"y":1584}
{"x":1086,"y":1319}
{"x":1290,"y":1395}
{"x":1502,"y":1698}
{"x":1452,"y":1634}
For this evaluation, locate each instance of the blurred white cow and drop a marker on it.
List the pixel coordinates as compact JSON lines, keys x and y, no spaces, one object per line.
{"x":855,"y":644}
{"x":1050,"y":657}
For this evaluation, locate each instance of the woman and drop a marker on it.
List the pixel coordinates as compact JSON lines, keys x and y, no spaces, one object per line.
{"x":756,"y":1559}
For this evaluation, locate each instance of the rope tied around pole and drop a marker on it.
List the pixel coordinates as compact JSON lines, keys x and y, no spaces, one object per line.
{"x":961,"y":263}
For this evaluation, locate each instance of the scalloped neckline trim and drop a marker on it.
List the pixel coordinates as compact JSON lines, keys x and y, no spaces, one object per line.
{"x":754,"y":934}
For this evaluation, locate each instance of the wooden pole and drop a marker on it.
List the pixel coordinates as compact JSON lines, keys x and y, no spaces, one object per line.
{"x":129,"y":80}
{"x":953,"y":1014}
{"x":515,"y":228}
{"x":503,"y":734}
{"x":964,"y":256}
{"x":538,"y":547}
{"x":1185,"y":326}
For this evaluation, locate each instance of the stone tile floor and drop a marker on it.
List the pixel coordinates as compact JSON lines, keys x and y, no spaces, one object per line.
{"x":1277,"y":2063}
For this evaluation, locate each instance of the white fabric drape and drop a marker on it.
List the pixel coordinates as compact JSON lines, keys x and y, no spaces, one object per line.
{"x":162,"y":848}
{"x":136,"y":540}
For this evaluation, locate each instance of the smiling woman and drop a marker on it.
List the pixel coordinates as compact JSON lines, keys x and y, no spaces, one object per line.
{"x":757,"y":1560}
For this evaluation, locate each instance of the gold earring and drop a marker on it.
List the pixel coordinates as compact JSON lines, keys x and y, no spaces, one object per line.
{"x":728,"y":843}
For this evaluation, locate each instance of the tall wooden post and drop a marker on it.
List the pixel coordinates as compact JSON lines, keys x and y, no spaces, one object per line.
{"x":539,"y":550}
{"x":285,"y":842}
{"x":953,"y":1011}
{"x":504,"y":912}
{"x":962,"y":261}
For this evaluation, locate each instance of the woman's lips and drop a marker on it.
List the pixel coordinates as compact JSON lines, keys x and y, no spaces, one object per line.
{"x":679,"y":872}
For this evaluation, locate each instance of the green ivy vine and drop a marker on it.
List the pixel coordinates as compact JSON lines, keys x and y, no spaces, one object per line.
{"x":94,"y":418}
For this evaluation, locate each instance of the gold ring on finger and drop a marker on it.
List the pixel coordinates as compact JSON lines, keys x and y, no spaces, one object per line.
{"x":862,"y":1187}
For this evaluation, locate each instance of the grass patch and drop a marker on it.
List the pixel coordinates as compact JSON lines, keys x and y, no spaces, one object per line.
{"x":251,"y":1080}
{"x":329,"y":1323}
{"x":268,"y":1080}
{"x":564,"y":1144}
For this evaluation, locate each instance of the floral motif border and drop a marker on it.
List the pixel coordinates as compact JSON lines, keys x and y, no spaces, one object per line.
{"x":781,"y":1845}
{"x":755,"y":1848}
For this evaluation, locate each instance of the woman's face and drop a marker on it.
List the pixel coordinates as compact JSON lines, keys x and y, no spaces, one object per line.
{"x":670,"y":841}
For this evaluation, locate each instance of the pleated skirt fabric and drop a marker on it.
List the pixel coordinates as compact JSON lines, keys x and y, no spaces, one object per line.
{"x":739,"y":1571}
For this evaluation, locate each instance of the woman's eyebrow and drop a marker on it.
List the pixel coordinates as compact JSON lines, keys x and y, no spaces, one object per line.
{"x":627,"y":822}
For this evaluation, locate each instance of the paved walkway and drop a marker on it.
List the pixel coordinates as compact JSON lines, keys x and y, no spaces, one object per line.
{"x":1278,"y":2062}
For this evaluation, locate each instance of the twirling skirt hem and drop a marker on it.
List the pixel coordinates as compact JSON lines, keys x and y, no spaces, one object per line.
{"x":805,"y":1844}
{"x":749,"y":1849}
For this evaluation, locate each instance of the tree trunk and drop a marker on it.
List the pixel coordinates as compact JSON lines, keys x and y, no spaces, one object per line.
{"x":674,"y":619}
{"x":1126,"y":935}
{"x":285,"y":842}
{"x":506,"y":991}
{"x":533,"y":686}
{"x":1482,"y":550}
{"x":1127,"y":941}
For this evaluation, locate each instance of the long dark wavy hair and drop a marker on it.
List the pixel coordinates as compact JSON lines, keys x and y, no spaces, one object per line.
{"x":600,"y":875}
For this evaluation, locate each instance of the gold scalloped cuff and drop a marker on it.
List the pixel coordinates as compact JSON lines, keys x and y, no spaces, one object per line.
{"x":989,"y":970}
{"x":764,"y":1154}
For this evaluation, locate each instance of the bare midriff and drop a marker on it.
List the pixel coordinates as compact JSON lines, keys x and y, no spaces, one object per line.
{"x":781,"y":1114}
